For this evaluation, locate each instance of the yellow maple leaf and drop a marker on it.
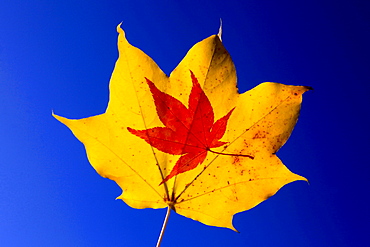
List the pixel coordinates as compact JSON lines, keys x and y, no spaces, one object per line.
{"x":190,"y":141}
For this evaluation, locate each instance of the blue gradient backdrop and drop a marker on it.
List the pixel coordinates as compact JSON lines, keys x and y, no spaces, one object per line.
{"x":59,"y":55}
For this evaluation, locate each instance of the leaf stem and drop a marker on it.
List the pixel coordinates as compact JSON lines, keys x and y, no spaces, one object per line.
{"x":242,"y":155}
{"x":163,"y":226}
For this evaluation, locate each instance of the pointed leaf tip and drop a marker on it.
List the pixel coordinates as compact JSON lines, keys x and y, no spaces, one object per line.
{"x":119,"y":29}
{"x":220,"y":30}
{"x":308,"y":88}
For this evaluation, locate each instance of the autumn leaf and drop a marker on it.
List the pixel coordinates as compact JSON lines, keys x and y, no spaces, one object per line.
{"x":190,"y":141}
{"x":189,"y":131}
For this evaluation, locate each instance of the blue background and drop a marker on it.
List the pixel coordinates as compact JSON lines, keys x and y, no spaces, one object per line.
{"x":59,"y":55}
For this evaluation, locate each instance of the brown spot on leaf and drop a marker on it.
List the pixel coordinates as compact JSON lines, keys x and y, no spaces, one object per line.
{"x":268,"y":196}
{"x":259,"y":135}
{"x":236,"y":160}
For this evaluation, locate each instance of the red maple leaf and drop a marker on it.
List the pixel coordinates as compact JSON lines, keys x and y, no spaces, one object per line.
{"x":190,"y":132}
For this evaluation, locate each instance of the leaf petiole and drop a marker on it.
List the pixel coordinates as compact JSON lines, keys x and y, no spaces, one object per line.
{"x":242,"y":155}
{"x":163,"y":226}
